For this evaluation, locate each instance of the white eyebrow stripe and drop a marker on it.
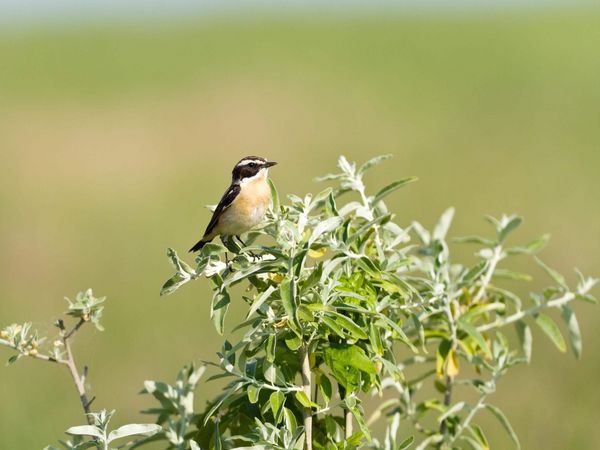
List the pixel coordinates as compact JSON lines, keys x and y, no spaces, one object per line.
{"x":250,"y":161}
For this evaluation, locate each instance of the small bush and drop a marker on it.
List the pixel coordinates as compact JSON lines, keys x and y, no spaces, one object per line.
{"x":344,"y":304}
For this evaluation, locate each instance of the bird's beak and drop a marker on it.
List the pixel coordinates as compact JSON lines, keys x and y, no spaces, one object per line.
{"x":270,"y":164}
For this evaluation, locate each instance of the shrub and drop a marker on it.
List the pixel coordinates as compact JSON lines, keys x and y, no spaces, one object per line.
{"x":344,"y":304}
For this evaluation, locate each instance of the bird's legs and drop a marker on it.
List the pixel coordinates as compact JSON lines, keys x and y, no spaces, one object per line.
{"x":254,"y":255}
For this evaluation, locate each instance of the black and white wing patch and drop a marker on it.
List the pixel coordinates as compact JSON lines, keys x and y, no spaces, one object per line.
{"x":226,"y":201}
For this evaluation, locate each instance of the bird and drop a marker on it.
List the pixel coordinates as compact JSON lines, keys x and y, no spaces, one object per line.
{"x":243,"y":204}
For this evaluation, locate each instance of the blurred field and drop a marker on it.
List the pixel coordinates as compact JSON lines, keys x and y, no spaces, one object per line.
{"x":113,"y":138}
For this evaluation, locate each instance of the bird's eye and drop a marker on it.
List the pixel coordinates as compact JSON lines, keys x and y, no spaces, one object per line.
{"x":252,"y":164}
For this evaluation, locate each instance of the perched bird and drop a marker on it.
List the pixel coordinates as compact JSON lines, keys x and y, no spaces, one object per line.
{"x":244,"y":204}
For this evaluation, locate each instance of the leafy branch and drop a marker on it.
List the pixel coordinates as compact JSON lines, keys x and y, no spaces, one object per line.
{"x":339,"y":292}
{"x":85,"y":308}
{"x":344,"y":304}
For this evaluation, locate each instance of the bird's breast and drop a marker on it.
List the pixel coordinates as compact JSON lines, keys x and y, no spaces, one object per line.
{"x":247,"y":210}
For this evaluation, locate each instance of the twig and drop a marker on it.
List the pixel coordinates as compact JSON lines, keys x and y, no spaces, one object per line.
{"x":532,"y":311}
{"x":370,"y":216}
{"x":307,"y":388}
{"x":348,"y":421}
{"x":47,"y":358}
{"x":449,"y":380}
{"x":465,"y":424}
{"x":70,"y":363}
{"x":447,"y":402}
{"x":494,"y":260}
{"x":347,"y":414}
{"x":75,"y":328}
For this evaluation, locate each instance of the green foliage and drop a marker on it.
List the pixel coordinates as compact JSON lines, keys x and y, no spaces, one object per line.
{"x":98,"y":435}
{"x":28,"y":342}
{"x":176,"y":410}
{"x":21,"y":338}
{"x":86,"y":307}
{"x":368,"y":299}
{"x":343,"y":303}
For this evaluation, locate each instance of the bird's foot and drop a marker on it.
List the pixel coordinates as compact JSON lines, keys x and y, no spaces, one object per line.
{"x":253,"y":255}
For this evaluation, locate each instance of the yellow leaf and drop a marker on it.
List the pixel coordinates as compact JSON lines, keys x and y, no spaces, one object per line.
{"x":452,"y":368}
{"x":318,"y":253}
{"x":276,"y":277}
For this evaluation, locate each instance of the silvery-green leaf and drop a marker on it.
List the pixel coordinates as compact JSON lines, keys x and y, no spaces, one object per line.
{"x":174,"y":283}
{"x":330,"y":177}
{"x":553,"y":274}
{"x":406,"y":443}
{"x":441,"y":229}
{"x":524,"y":334}
{"x":508,"y":227}
{"x":548,"y":326}
{"x":346,"y":167}
{"x":277,"y":400}
{"x":288,"y":297}
{"x":178,"y":264}
{"x":574,"y":332}
{"x":220,"y":304}
{"x":85,"y":430}
{"x":349,"y":208}
{"x":511,"y":275}
{"x":433,"y":439}
{"x":270,"y":347}
{"x":584,"y":284}
{"x":290,"y":420}
{"x":253,"y":392}
{"x":422,"y":233}
{"x":475,"y":272}
{"x":373,"y":162}
{"x":325,"y":388}
{"x":505,"y":423}
{"x":473,"y":240}
{"x":274,"y":195}
{"x":477,"y":310}
{"x":346,"y":323}
{"x":475,"y":334}
{"x":272,"y":373}
{"x":532,"y":247}
{"x":303,"y":399}
{"x":477,"y":433}
{"x":391,"y":188}
{"x":320,"y":198}
{"x":260,"y":300}
{"x":134,"y":429}
{"x":323,"y":227}
{"x":450,"y":411}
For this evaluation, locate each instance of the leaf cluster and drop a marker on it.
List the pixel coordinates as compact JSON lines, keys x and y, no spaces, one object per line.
{"x":380,"y":308}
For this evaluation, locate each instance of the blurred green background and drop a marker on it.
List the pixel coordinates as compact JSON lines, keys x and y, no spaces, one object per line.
{"x":114,"y":135}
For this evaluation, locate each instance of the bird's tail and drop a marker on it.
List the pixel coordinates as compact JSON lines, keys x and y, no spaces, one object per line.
{"x":198,"y":245}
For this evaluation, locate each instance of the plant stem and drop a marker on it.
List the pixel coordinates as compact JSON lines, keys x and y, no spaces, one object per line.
{"x":365,"y":201}
{"x":348,"y":420}
{"x":75,"y":328}
{"x":347,"y":414}
{"x":530,"y":312}
{"x":447,"y":402}
{"x":463,"y":426}
{"x":78,"y":379}
{"x":449,"y":379}
{"x":307,"y":388}
{"x":494,"y":260}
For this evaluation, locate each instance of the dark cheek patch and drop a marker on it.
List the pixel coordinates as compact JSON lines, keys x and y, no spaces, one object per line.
{"x":248,"y":171}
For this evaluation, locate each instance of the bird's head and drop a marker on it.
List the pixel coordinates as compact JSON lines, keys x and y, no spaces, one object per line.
{"x":251,"y":168}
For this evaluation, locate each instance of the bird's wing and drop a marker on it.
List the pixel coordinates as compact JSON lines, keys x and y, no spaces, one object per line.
{"x":226,"y":201}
